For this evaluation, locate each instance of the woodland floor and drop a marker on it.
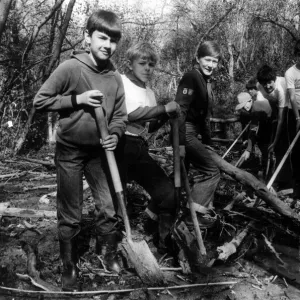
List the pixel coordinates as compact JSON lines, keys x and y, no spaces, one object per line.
{"x":253,"y":267}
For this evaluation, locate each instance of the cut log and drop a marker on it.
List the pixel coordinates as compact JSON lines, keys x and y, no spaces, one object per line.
{"x":37,"y":161}
{"x":259,"y":188}
{"x":27,"y":213}
{"x":230,"y":248}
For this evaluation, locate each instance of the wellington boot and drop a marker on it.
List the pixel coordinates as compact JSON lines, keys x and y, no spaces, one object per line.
{"x":165,"y":223}
{"x":68,"y":254}
{"x":107,"y":246}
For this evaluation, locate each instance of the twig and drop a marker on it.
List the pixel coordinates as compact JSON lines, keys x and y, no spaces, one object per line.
{"x":272,"y":249}
{"x":49,"y":186}
{"x":36,"y":161}
{"x":285,"y":283}
{"x":171,"y":269}
{"x":26,"y":277}
{"x":176,"y":287}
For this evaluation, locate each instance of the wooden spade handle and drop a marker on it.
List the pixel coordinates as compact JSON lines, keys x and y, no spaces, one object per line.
{"x":192,"y":210}
{"x":176,"y":153}
{"x":113,"y":168}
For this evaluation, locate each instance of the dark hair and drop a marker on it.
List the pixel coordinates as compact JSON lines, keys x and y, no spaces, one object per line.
{"x":106,"y":22}
{"x":265,"y":74}
{"x":142,"y":50}
{"x":251,"y":84}
{"x":297,"y":48}
{"x":209,"y":48}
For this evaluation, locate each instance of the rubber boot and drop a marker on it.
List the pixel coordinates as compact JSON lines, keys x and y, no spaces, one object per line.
{"x":68,"y":254}
{"x":107,"y":246}
{"x":165,"y":223}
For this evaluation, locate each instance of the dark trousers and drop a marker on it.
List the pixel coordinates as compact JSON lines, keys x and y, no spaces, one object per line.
{"x":204,"y":188}
{"x":140,"y":167}
{"x":71,"y":164}
{"x":295,"y":157}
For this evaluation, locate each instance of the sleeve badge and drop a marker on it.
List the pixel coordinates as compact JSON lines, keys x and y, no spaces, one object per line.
{"x":190,"y":92}
{"x":184,"y":91}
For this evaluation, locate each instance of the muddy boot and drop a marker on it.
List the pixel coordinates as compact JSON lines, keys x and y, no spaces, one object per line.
{"x":68,"y":254}
{"x":164,"y":228}
{"x":107,"y":246}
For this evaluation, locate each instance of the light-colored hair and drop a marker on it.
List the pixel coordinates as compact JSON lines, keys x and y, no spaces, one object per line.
{"x":209,"y":48}
{"x":142,"y":50}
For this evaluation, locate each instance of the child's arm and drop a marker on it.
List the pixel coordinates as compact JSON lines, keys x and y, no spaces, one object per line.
{"x":56,"y":92}
{"x":184,"y":99}
{"x":117,"y":124}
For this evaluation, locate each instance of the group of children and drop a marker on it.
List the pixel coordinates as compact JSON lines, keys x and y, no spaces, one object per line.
{"x":272,"y":106}
{"x":89,"y":80}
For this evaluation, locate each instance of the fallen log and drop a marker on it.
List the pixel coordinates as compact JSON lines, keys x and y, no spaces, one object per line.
{"x":27,"y":213}
{"x":259,"y":188}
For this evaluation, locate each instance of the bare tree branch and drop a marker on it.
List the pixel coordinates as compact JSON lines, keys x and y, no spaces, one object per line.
{"x":213,"y":27}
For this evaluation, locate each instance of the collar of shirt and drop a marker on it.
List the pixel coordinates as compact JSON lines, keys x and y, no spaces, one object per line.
{"x":135,"y":80}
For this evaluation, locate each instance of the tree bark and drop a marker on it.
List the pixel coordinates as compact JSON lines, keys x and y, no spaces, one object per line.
{"x":4,"y":11}
{"x":258,"y":187}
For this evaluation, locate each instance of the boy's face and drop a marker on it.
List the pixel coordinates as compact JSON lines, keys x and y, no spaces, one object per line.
{"x":207,"y":64}
{"x":248,"y":106}
{"x":102,"y":46}
{"x":269,"y":86}
{"x":142,"y":68}
{"x":253,"y":93}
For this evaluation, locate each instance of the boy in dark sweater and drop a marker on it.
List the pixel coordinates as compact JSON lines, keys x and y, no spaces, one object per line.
{"x":79,"y":85}
{"x":144,"y":115}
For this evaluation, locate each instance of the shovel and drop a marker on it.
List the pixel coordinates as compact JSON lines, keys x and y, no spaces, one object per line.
{"x":235,"y":141}
{"x":271,"y":181}
{"x":138,"y":253}
{"x":192,"y":210}
{"x":176,"y":160}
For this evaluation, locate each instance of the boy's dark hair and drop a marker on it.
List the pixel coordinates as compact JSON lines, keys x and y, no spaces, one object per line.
{"x":142,"y":50}
{"x":251,"y":84}
{"x":297,"y":48}
{"x":209,"y":48}
{"x":106,"y":22}
{"x":265,"y":74}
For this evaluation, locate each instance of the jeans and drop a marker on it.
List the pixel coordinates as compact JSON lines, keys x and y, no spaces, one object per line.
{"x":71,"y":164}
{"x":140,"y":167}
{"x":204,"y":188}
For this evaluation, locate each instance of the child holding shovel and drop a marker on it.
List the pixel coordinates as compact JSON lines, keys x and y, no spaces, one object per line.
{"x":145,"y":115}
{"x":78,"y":86}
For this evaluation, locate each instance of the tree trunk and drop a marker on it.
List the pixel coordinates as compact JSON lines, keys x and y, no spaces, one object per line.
{"x":4,"y":11}
{"x":258,"y":187}
{"x":53,"y":60}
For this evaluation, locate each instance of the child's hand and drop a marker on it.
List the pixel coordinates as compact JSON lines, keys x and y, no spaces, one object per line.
{"x":182,"y":151}
{"x":110,"y":142}
{"x":92,"y":98}
{"x":246,"y":155}
{"x":173,"y":109}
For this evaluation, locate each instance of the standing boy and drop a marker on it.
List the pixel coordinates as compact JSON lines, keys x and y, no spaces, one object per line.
{"x":292,"y":76}
{"x":273,"y":88}
{"x":79,"y":85}
{"x":144,"y":115}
